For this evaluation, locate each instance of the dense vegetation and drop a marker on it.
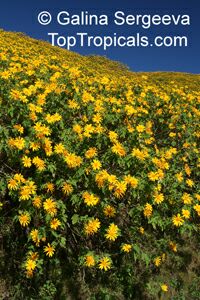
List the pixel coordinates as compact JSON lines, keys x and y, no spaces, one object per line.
{"x":99,"y":187}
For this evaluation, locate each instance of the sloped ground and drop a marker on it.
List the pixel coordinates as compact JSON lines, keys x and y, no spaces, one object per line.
{"x":99,"y":178}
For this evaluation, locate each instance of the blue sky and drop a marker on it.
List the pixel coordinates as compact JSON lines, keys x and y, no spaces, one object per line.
{"x":21,"y":16}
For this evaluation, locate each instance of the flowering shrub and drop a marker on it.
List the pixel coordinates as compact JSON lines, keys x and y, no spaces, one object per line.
{"x":99,"y":170}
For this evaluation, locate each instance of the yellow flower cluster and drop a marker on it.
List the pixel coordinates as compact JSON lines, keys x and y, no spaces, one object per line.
{"x":97,"y":155}
{"x":90,"y":199}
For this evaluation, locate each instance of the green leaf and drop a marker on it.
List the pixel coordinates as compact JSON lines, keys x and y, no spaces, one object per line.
{"x":75,"y":219}
{"x":137,"y":249}
{"x":63,"y":242}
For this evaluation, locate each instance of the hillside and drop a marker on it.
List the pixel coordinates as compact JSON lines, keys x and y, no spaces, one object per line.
{"x":42,"y":52}
{"x":99,"y":186}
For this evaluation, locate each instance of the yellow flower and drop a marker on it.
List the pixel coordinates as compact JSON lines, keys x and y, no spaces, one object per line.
{"x":97,"y":118}
{"x":88,"y":130}
{"x":39,"y":163}
{"x":140,"y":154}
{"x":179,"y":176}
{"x":34,"y":108}
{"x":172,"y":134}
{"x":105,"y":263}
{"x":91,"y":152}
{"x":25,"y":193}
{"x":67,"y":188}
{"x":187,"y":170}
{"x":177,"y":220}
{"x":187,"y":199}
{"x":12,"y":184}
{"x":19,"y":128}
{"x":158,"y":188}
{"x":50,"y":206}
{"x":73,"y":104}
{"x":131,"y":180}
{"x":158,"y":198}
{"x":173,"y":246}
{"x":186,"y":213}
{"x":92,"y":226}
{"x":126,"y":247}
{"x":33,"y":117}
{"x":89,"y":260}
{"x":157,"y":261}
{"x":24,"y":219}
{"x":59,"y":148}
{"x":55,"y":223}
{"x":19,"y":143}
{"x":109,"y":211}
{"x":33,"y":255}
{"x":30,"y":265}
{"x":73,"y":160}
{"x":101,"y":177}
{"x":48,"y":146}
{"x":153,"y":176}
{"x":164,"y":287}
{"x":90,"y":199}
{"x":53,"y":118}
{"x":87,"y":97}
{"x":112,"y":180}
{"x":49,"y":250}
{"x":96,"y":164}
{"x":34,"y":146}
{"x":118,"y":149}
{"x":197,"y":208}
{"x":42,"y":129}
{"x":160,"y":163}
{"x":19,"y":177}
{"x":112,"y":232}
{"x":148,"y":209}
{"x":35,"y":236}
{"x":130,"y":110}
{"x":141,"y":229}
{"x":120,"y":189}
{"x":140,"y":128}
{"x":197,"y":196}
{"x":37,"y":202}
{"x":77,"y":129}
{"x":50,"y":187}
{"x":26,"y":161}
{"x":27,"y":190}
{"x":113,"y":136}
{"x":190,"y":182}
